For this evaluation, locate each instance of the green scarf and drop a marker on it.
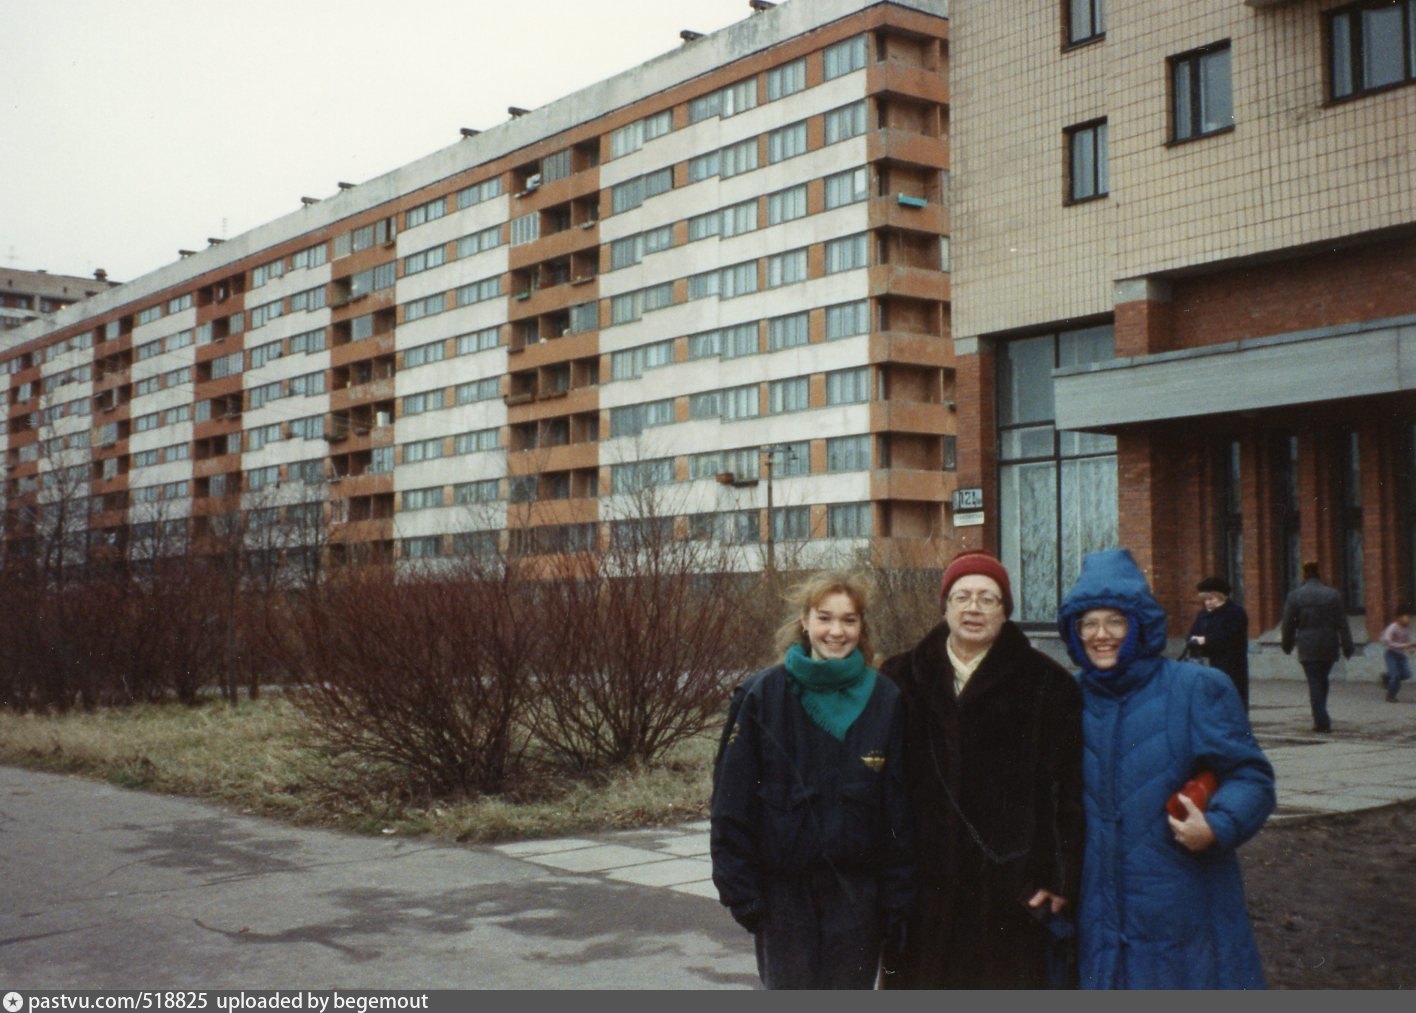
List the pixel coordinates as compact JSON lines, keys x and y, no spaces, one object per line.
{"x":832,"y":691}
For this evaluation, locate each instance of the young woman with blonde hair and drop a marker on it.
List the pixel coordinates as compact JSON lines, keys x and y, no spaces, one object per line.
{"x":810,"y":823}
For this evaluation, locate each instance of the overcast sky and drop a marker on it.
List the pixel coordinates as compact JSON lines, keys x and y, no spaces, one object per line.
{"x":130,"y":129}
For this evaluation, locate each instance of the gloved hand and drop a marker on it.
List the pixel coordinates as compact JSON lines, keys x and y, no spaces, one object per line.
{"x":750,"y":915}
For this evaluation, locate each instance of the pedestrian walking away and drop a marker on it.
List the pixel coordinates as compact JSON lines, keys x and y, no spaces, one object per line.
{"x":1220,"y":633}
{"x":810,"y":833}
{"x":1396,"y":638}
{"x":993,"y":762}
{"x":1162,"y":901}
{"x":1315,"y":621}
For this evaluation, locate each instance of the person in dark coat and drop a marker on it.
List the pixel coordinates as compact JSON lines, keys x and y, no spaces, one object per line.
{"x":993,"y":765}
{"x":1162,"y":902}
{"x":1220,"y":633}
{"x":1315,"y":621}
{"x":810,"y":833}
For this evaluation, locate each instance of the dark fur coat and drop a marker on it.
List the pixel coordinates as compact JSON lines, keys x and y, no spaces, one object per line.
{"x":994,"y":780}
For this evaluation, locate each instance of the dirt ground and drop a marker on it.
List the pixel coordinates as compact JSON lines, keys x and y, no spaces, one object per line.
{"x":1333,"y":899}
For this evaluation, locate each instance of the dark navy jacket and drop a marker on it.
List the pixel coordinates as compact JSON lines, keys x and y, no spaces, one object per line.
{"x":1154,"y":915}
{"x":789,"y":800}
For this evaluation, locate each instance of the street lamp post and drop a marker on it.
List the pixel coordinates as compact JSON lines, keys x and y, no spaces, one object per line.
{"x":771,"y":450}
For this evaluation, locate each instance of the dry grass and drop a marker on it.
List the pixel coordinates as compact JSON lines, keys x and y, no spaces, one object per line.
{"x":260,"y":758}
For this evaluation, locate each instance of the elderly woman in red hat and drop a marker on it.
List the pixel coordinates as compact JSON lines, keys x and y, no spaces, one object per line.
{"x":993,"y":753}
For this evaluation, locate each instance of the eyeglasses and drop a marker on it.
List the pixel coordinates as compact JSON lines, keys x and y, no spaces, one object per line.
{"x":984,"y":601}
{"x":1115,"y":626}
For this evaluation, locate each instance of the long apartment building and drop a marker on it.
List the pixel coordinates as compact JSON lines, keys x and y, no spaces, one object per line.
{"x":30,"y":295}
{"x":718,"y":279}
{"x":1185,"y":294}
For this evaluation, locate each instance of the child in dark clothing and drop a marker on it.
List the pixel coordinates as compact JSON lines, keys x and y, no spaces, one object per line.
{"x":810,"y":830}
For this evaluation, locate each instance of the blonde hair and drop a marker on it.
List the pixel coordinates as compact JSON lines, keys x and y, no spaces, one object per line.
{"x":803,"y":597}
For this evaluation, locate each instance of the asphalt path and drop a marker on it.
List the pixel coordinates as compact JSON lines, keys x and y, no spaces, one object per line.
{"x":105,"y":888}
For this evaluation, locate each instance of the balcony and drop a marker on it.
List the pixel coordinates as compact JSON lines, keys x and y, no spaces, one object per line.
{"x":902,"y":484}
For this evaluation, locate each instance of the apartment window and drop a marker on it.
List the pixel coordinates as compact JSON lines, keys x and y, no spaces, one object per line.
{"x":479,"y":291}
{"x":1086,"y":20}
{"x":847,"y":254}
{"x":311,"y":427}
{"x":1372,"y":46}
{"x":786,"y":268}
{"x":785,"y":396}
{"x":848,"y":453}
{"x":380,"y":460}
{"x":739,"y":341}
{"x":308,"y":384}
{"x":434,"y":351}
{"x":634,"y":136}
{"x":261,"y":435}
{"x":478,"y":242}
{"x":309,"y":341}
{"x":423,"y":499}
{"x":633,"y":192}
{"x":423,"y":450}
{"x":847,"y":319}
{"x":846,"y":122}
{"x":848,"y":520}
{"x":735,"y":98}
{"x":426,"y":307}
{"x":227,"y":365}
{"x":182,"y":302}
{"x":1088,"y":171}
{"x":739,"y":527}
{"x":266,"y":392}
{"x":786,"y":205}
{"x":631,"y":363}
{"x":479,"y":192}
{"x":483,"y":491}
{"x":741,"y":402}
{"x":791,"y":524}
{"x":470,"y":443}
{"x":1057,"y":489}
{"x":259,"y":478}
{"x":267,"y":272}
{"x":846,"y":187}
{"x":313,"y":256}
{"x":150,"y":314}
{"x":478,"y":390}
{"x":427,"y":401}
{"x":1201,"y":96}
{"x":428,"y":212}
{"x":526,"y":228}
{"x":477,"y":341}
{"x":787,"y":79}
{"x":786,"y":142}
{"x":422,"y":547}
{"x":632,"y":420}
{"x":632,"y":249}
{"x":848,"y":386}
{"x":641,"y":475}
{"x":844,"y":57}
{"x":309,"y":299}
{"x":704,"y":166}
{"x":787,"y":332}
{"x":416,"y":263}
{"x":738,"y":158}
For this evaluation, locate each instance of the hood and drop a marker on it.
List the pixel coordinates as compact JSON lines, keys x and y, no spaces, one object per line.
{"x":1111,"y":579}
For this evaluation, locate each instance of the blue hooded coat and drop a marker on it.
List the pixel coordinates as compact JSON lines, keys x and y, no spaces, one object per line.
{"x":1153,"y":914}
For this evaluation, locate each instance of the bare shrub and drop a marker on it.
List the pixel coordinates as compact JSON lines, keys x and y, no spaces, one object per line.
{"x":427,"y":676}
{"x":650,"y":638}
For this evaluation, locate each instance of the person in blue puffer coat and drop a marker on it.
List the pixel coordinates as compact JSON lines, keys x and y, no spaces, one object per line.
{"x":1162,"y":900}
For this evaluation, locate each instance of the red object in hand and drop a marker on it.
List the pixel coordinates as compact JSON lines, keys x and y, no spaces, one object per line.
{"x":1199,"y":790}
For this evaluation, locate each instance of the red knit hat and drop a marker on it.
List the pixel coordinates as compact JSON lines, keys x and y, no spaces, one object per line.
{"x":976,"y":561}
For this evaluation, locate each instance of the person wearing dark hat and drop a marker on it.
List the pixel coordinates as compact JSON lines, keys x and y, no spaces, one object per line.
{"x":993,"y":758}
{"x":1220,"y":633}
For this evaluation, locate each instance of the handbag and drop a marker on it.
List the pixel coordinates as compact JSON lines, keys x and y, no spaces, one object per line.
{"x":1199,"y":790}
